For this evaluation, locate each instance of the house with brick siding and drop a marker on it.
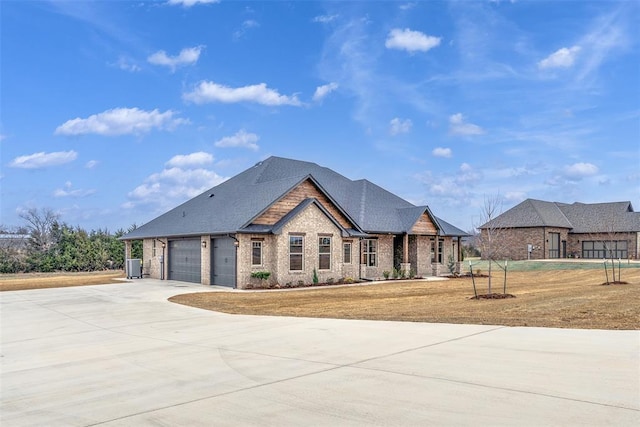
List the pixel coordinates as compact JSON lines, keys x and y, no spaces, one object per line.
{"x":536,"y":229}
{"x":291,"y":218}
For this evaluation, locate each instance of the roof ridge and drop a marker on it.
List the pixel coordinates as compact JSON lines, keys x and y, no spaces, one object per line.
{"x":563,"y":214}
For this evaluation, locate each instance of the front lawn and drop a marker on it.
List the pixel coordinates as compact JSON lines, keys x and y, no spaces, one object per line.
{"x":552,"y":298}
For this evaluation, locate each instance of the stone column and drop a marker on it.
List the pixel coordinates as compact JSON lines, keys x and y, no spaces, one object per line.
{"x":205,"y":260}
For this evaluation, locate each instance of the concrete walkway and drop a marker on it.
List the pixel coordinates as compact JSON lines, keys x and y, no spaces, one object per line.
{"x":121,"y":355}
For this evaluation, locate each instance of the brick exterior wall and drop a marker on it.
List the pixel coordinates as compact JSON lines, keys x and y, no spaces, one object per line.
{"x":151,"y":261}
{"x":513,"y":242}
{"x":311,"y":223}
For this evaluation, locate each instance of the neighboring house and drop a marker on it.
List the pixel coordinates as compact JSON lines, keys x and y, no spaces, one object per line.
{"x":290,"y":218}
{"x":535,"y":229}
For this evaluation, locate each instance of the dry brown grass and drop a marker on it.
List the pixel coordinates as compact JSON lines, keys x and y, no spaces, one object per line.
{"x":560,"y":298}
{"x":18,"y":282}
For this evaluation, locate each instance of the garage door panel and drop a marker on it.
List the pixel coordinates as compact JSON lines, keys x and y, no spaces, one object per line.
{"x":223,"y":271}
{"x":185,"y":260}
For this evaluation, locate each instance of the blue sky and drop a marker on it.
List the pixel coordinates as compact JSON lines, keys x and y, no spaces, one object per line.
{"x":113,"y":112}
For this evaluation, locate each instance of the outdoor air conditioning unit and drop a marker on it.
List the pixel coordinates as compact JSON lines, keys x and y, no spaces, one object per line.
{"x":134,"y":268}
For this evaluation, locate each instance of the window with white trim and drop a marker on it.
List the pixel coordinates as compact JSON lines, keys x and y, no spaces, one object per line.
{"x":256,"y":252}
{"x":370,"y":252}
{"x":324,"y":253}
{"x":296,"y":251}
{"x":346,"y":252}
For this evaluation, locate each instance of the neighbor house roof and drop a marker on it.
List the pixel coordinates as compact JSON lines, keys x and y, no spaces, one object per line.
{"x":577,"y":217}
{"x":231,"y":206}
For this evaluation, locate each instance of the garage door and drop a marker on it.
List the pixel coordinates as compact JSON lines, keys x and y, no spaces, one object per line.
{"x":223,"y":270}
{"x":184,"y":260}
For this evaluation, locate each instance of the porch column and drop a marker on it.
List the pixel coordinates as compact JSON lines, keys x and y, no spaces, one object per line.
{"x":405,"y":248}
{"x":405,"y":266}
{"x":127,"y":255}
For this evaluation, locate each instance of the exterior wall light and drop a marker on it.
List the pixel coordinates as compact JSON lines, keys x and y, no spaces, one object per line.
{"x":204,"y":243}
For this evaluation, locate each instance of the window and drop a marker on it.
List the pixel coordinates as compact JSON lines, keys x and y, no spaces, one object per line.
{"x":432,"y":247}
{"x":324,"y":253}
{"x":296,"y":244}
{"x":600,"y":250}
{"x":369,"y":252}
{"x":346,"y":253}
{"x":256,"y":252}
{"x":440,"y":250}
{"x":554,"y":245}
{"x":153,"y":252}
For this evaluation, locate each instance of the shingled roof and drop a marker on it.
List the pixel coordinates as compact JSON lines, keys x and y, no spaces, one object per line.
{"x":577,"y":217}
{"x":231,"y":206}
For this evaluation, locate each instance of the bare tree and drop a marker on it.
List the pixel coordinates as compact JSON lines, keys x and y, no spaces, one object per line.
{"x":40,"y":223}
{"x":489,"y":240}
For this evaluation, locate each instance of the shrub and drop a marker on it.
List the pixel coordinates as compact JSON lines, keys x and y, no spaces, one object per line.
{"x":386,"y":274}
{"x":262,"y":275}
{"x":315,"y":277}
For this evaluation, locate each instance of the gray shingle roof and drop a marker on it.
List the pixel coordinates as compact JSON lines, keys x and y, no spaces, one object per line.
{"x":231,"y":206}
{"x":577,"y":217}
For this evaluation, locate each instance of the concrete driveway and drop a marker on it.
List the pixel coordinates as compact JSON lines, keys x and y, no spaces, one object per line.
{"x":121,"y":355}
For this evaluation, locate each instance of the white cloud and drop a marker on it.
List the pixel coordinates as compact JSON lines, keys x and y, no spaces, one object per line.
{"x":577,"y":171}
{"x":324,"y":90}
{"x":91,"y":164}
{"x":189,"y":3}
{"x":121,"y":121}
{"x":68,"y":191}
{"x":193,"y":159}
{"x":43,"y":160}
{"x":171,"y":187}
{"x":187,"y":56}
{"x":457,"y":126}
{"x":260,"y":94}
{"x":515,"y":196}
{"x":397,"y":126}
{"x":441,"y":152}
{"x":240,"y":139}
{"x":410,"y":41}
{"x":561,"y":58}
{"x":325,"y":19}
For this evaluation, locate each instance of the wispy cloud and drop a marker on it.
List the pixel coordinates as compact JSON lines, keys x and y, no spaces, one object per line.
{"x":325,"y":19}
{"x":42,"y":160}
{"x":411,"y":41}
{"x":398,"y":126}
{"x":324,"y":90}
{"x":91,"y":164}
{"x":69,"y":191}
{"x":194,"y":159}
{"x":208,"y":91}
{"x":187,"y":56}
{"x":608,"y":36}
{"x":241,"y":139}
{"x":561,"y":58}
{"x":189,"y":3}
{"x":126,"y":64}
{"x":458,"y":126}
{"x":244,"y":27}
{"x":121,"y":121}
